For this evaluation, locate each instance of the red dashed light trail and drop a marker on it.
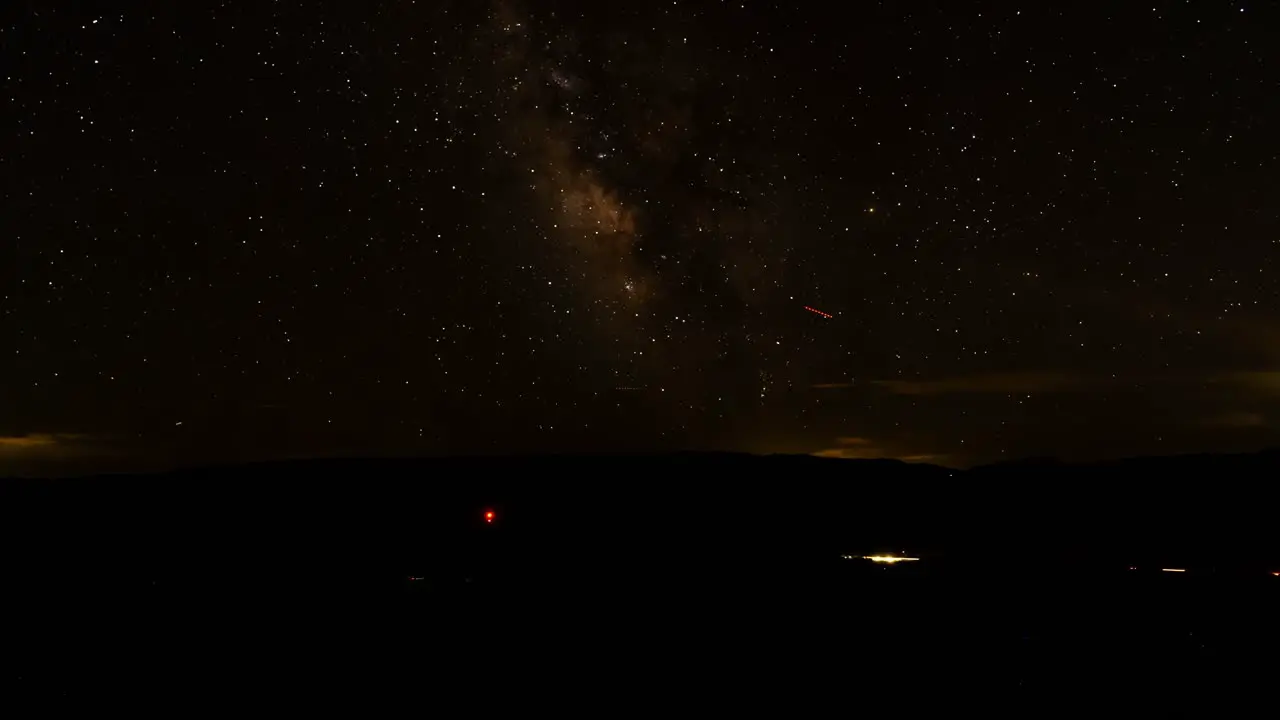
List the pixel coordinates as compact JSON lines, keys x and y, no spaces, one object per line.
{"x":816,"y":311}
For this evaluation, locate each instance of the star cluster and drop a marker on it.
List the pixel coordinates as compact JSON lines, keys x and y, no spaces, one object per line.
{"x":958,"y":234}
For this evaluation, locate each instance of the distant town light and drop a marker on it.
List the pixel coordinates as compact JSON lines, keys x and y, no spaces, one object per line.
{"x":888,"y":559}
{"x":1172,"y":570}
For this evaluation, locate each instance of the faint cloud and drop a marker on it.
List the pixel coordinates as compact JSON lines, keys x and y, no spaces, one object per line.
{"x":35,"y":442}
{"x":1237,"y":420}
{"x":993,"y":383}
{"x":860,"y":448}
{"x":1263,"y":381}
{"x":58,"y":454}
{"x":874,"y":454}
{"x":831,"y":386}
{"x":43,"y":446}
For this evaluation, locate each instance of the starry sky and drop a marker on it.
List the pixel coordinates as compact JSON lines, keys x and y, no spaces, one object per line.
{"x":947,"y":232}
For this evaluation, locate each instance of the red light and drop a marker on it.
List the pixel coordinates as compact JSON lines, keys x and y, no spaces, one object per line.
{"x":488,"y":516}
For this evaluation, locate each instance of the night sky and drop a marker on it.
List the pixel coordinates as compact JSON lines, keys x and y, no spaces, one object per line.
{"x":249,"y":230}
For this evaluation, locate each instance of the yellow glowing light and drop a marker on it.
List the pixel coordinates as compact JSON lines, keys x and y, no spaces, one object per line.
{"x":889,"y":559}
{"x":1172,"y":570}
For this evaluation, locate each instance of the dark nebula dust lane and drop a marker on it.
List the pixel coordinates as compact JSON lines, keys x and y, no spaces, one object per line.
{"x":944,"y":234}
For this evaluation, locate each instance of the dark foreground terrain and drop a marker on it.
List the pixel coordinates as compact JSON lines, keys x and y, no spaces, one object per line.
{"x":673,"y":584}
